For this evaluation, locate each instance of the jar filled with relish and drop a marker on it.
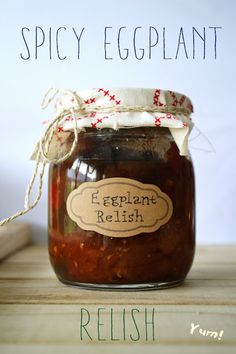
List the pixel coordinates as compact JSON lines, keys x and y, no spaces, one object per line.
{"x":121,"y":205}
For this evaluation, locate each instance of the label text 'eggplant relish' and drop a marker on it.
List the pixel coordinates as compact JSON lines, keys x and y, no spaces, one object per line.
{"x":119,"y":207}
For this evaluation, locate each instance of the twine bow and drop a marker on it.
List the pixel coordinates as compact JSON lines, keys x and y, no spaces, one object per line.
{"x":42,"y":157}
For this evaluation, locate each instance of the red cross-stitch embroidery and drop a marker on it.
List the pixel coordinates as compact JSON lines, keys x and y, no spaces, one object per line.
{"x":68,"y":119}
{"x":168,"y":115}
{"x":111,"y":97}
{"x":157,"y":122}
{"x":190,"y":107}
{"x":99,"y":120}
{"x":59,"y":139}
{"x":90,"y":100}
{"x":177,"y":101}
{"x":156,"y":99}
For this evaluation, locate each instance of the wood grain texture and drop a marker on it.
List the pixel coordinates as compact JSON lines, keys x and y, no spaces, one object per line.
{"x":14,"y":236}
{"x":38,"y":314}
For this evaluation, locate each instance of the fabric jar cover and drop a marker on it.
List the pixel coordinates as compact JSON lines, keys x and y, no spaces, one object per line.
{"x":120,"y":108}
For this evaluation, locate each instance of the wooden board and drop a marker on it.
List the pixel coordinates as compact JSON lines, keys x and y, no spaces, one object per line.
{"x":38,"y":314}
{"x":14,"y":236}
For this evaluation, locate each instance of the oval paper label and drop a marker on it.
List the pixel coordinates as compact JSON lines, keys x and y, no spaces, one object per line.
{"x":119,"y":207}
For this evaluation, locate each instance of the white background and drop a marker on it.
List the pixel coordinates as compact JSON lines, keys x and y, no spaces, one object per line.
{"x":209,"y":83}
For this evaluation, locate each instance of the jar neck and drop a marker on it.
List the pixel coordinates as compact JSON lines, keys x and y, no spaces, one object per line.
{"x":140,"y":132}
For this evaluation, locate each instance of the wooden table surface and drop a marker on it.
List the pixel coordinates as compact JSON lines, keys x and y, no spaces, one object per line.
{"x":38,"y":314}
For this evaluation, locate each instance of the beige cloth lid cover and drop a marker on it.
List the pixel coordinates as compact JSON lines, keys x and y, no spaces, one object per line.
{"x":120,"y":108}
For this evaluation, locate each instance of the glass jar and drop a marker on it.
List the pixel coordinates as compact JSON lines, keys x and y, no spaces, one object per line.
{"x":162,"y":256}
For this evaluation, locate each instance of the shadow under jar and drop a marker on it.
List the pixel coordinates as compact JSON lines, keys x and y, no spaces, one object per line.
{"x":149,"y":260}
